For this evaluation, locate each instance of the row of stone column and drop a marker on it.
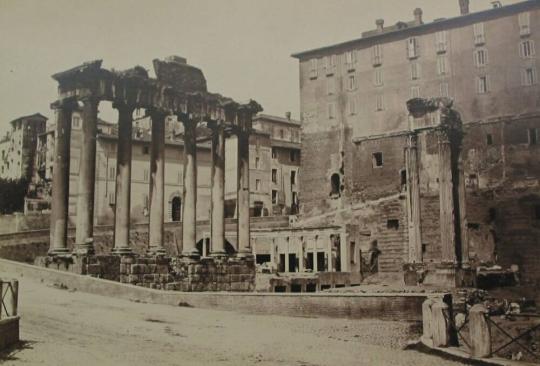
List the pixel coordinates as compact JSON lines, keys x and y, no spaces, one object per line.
{"x":86,"y":184}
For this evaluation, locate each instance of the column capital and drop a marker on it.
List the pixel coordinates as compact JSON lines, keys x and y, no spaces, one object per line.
{"x":66,"y":104}
{"x":90,"y":99}
{"x":122,"y":106}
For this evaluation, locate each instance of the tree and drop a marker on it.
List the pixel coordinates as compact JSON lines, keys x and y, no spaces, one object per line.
{"x":12,"y":193}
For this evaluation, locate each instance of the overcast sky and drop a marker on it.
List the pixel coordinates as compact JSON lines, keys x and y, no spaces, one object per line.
{"x":242,"y":46}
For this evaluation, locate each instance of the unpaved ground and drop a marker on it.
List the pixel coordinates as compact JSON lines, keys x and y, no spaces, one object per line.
{"x":72,"y":328}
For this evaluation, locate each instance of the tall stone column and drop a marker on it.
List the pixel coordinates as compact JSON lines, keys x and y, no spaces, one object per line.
{"x":448,"y":247}
{"x":87,"y":176}
{"x":413,"y":200}
{"x":218,"y":191}
{"x":189,"y":208}
{"x":123,"y":180}
{"x":60,"y":187}
{"x":463,"y":215}
{"x":244,"y":247}
{"x":157,"y":184}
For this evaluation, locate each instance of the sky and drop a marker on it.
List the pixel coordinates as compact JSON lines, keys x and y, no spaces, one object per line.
{"x":242,"y":46}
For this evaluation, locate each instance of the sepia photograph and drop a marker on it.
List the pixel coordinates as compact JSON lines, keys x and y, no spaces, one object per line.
{"x":274,"y":183}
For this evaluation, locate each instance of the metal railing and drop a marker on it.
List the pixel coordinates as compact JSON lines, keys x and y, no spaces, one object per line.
{"x":9,"y":296}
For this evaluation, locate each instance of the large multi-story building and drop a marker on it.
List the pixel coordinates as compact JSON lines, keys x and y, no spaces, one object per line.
{"x":18,"y":147}
{"x":357,"y":132}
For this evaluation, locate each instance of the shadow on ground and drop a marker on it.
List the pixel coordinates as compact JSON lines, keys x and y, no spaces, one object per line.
{"x":10,"y":353}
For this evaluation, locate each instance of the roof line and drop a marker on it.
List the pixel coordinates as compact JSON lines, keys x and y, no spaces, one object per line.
{"x":467,"y":17}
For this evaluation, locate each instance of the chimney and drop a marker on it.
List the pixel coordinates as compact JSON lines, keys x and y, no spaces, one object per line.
{"x":380,"y":24}
{"x":464,"y":7}
{"x":288,"y":115}
{"x":418,"y":16}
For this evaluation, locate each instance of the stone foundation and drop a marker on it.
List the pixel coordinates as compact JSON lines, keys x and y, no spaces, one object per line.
{"x":161,"y":272}
{"x":214,"y":274}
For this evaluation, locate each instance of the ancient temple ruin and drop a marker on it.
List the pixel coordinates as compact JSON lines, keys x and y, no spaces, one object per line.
{"x":179,"y":89}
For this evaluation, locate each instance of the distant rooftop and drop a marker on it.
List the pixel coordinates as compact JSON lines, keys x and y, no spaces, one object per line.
{"x":418,"y":25}
{"x":272,"y":118}
{"x":31,"y":116}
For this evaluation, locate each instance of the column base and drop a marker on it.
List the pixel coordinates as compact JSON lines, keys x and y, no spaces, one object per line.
{"x":84,"y":249}
{"x":156,"y":251}
{"x":218,"y":254}
{"x":194,"y":253}
{"x":59,"y":252}
{"x":244,"y":254}
{"x":122,"y":251}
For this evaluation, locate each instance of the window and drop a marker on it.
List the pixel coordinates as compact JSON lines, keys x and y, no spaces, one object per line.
{"x":379,"y":102}
{"x":479,"y":35}
{"x":415,"y":91}
{"x":313,"y":69}
{"x":526,"y":49}
{"x":528,"y":76}
{"x":376,"y":55}
{"x":352,"y":106}
{"x":403,"y":177}
{"x":331,"y":111}
{"x":489,"y":139}
{"x":330,"y":64}
{"x":112,"y":173}
{"x":112,"y":198}
{"x":482,"y":84}
{"x":412,"y":48}
{"x":351,"y":82}
{"x":145,"y":201}
{"x":145,"y":175}
{"x":274,"y":175}
{"x":293,"y":177}
{"x":76,"y":122}
{"x":274,"y":153}
{"x":335,"y":184}
{"x":415,"y":71}
{"x":377,"y":159}
{"x":350,"y":60}
{"x":331,"y":86}
{"x":274,"y":197}
{"x":292,"y":155}
{"x":533,"y":136}
{"x":524,"y":20}
{"x":257,"y":185}
{"x":480,"y":57}
{"x":442,"y":68}
{"x":441,"y":41}
{"x":145,"y":150}
{"x":392,"y":224}
{"x":443,"y":90}
{"x":257,"y":162}
{"x":378,"y":79}
{"x":281,"y":134}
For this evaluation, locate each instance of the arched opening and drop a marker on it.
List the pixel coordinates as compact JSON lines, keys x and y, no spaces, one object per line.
{"x":176,"y":209}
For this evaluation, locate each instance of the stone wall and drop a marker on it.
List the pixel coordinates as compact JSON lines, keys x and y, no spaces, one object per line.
{"x":19,"y":222}
{"x":159,"y":272}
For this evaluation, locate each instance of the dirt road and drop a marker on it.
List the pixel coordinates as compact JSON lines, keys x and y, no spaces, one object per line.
{"x":73,"y":328}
